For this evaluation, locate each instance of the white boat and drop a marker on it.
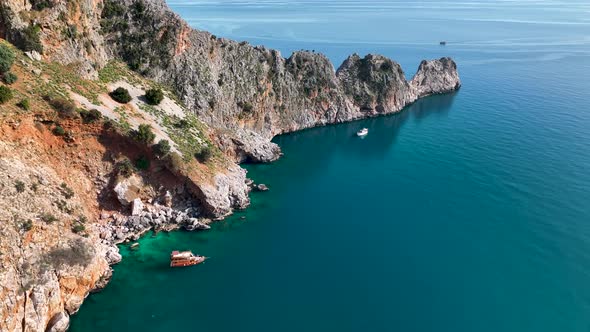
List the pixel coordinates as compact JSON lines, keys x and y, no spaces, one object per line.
{"x":362,"y":132}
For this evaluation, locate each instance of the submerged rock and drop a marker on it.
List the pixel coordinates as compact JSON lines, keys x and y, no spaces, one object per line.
{"x":261,"y":187}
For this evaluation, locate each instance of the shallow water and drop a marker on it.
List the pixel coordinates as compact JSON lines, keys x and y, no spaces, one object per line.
{"x":465,"y":212}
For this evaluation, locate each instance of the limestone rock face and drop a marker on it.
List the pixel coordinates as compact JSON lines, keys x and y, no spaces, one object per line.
{"x":69,"y":32}
{"x":59,"y":322}
{"x":248,"y":146}
{"x":136,"y":207}
{"x":228,"y":191}
{"x":436,"y":76}
{"x":127,"y":190}
{"x":46,"y":270}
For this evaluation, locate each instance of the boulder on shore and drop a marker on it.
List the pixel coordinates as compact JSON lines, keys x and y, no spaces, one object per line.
{"x":128,"y":189}
{"x":136,"y":207}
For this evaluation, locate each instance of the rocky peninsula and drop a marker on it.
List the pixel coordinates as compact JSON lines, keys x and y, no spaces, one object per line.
{"x":69,"y":194}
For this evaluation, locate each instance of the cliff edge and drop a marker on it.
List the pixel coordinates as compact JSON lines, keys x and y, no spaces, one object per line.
{"x":247,"y":93}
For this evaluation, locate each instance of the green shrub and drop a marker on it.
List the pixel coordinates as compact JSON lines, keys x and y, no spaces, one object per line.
{"x":64,"y":107}
{"x":386,"y":66}
{"x":154,"y":96}
{"x":48,"y":218}
{"x":59,"y":131}
{"x":27,"y":225}
{"x":144,"y":134}
{"x":182,"y":124}
{"x":162,"y":148}
{"x":246,"y":106}
{"x":9,"y":78}
{"x":5,"y":94}
{"x":24,"y":104}
{"x":90,"y":116}
{"x":175,"y":162}
{"x":66,"y":191}
{"x":6,"y":58}
{"x":204,"y":154}
{"x":63,"y":206}
{"x":82,"y":219}
{"x":121,"y":95}
{"x":125,"y":168}
{"x":78,"y":227}
{"x":70,"y":32}
{"x":39,"y":5}
{"x":28,"y":39}
{"x":20,"y":186}
{"x":112,"y":9}
{"x":142,"y":163}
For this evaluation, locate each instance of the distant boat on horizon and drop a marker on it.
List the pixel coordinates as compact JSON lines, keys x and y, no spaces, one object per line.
{"x":443,"y":43}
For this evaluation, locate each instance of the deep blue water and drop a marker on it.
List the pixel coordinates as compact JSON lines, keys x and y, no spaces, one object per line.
{"x":466,"y":212}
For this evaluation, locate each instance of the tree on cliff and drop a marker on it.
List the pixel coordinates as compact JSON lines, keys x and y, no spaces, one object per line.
{"x":6,"y":58}
{"x":144,"y":134}
{"x":162,"y":148}
{"x":121,"y":95}
{"x":154,"y":96}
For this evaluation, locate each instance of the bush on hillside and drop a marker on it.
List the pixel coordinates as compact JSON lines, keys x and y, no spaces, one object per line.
{"x":121,"y":95}
{"x":28,"y":39}
{"x":175,"y":162}
{"x":64,"y":107}
{"x":6,"y":58}
{"x":24,"y":104}
{"x":48,"y":218}
{"x":112,"y":9}
{"x":144,"y":134}
{"x":125,"y":168}
{"x":9,"y":78}
{"x":20,"y":186}
{"x":59,"y":131}
{"x":154,"y":96}
{"x":204,"y":154}
{"x":39,"y":5}
{"x":246,"y":106}
{"x":27,"y":225}
{"x":142,"y":163}
{"x":90,"y":116}
{"x":162,"y":148}
{"x":78,"y":227}
{"x":5,"y":94}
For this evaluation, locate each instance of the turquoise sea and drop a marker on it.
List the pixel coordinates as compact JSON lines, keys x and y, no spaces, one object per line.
{"x":466,"y":212}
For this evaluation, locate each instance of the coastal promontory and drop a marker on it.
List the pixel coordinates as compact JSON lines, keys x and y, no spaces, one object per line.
{"x":89,"y":158}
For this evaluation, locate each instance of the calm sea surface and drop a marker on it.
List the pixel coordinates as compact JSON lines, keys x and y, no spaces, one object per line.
{"x":466,"y":212}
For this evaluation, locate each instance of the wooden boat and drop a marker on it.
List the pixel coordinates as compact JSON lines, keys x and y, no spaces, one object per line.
{"x":185,"y":258}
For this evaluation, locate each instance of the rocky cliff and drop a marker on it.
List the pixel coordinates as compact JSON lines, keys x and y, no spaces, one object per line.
{"x":235,"y":98}
{"x":249,"y":94}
